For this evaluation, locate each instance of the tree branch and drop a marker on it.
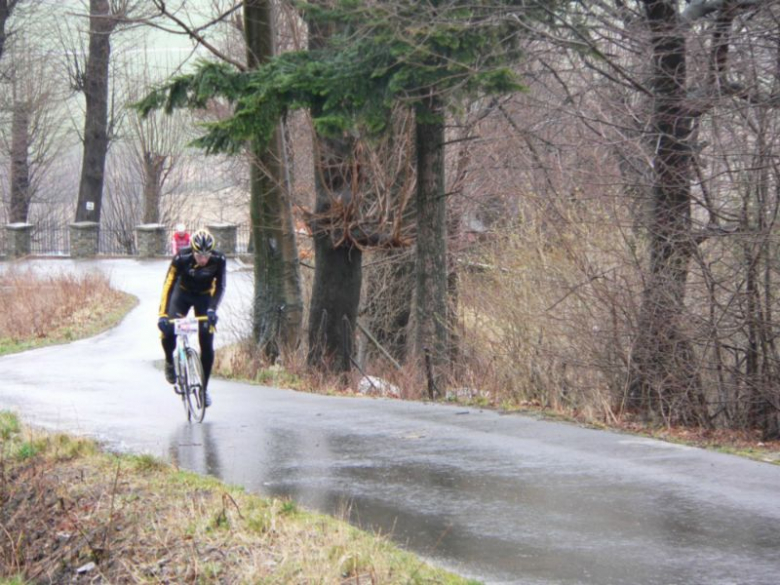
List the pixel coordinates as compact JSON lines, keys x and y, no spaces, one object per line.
{"x":195,"y":33}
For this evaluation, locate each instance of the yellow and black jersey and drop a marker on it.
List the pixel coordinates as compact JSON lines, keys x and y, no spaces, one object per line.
{"x":191,"y":278}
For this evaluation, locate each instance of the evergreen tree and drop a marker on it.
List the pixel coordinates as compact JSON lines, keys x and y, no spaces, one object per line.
{"x":427,"y":56}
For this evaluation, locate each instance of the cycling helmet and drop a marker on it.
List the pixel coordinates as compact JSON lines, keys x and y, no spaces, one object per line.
{"x":202,"y":242}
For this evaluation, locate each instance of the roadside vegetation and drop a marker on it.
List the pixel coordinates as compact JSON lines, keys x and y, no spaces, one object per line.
{"x":515,"y":355}
{"x":44,"y":310}
{"x":73,"y":513}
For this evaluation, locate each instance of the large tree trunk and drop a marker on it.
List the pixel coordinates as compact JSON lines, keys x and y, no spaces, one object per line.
{"x":338,"y":273}
{"x":20,"y":165}
{"x":101,"y":24}
{"x":278,"y":305}
{"x":664,"y":381}
{"x":431,"y":329}
{"x":154,"y":164}
{"x":338,"y":270}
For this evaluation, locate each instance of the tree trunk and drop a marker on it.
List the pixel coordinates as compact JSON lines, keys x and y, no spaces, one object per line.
{"x":431,"y":331}
{"x":664,"y":380}
{"x":6,"y":6}
{"x":20,"y":165}
{"x":101,"y":24}
{"x":338,"y":272}
{"x":153,"y":170}
{"x":278,"y":305}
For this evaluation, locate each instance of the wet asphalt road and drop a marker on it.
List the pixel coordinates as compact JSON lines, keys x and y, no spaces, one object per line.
{"x":505,"y":499}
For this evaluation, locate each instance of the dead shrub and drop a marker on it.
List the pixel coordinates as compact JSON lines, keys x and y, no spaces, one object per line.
{"x":36,"y":305}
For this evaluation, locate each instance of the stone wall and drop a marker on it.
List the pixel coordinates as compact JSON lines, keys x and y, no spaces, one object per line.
{"x":150,"y":240}
{"x":17,"y":238}
{"x":84,"y":239}
{"x":225,"y":236}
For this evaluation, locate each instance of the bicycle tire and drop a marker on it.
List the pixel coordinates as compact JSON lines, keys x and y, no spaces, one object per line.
{"x":182,"y":383}
{"x":196,"y":394}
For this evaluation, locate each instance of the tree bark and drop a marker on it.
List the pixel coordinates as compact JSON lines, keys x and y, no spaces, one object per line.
{"x":153,"y":166}
{"x":278,"y":305}
{"x":431,"y":331}
{"x":101,"y":25}
{"x":338,"y":273}
{"x":664,"y":380}
{"x":20,"y":165}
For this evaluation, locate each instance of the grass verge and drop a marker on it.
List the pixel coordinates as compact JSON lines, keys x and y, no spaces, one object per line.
{"x":73,"y":513}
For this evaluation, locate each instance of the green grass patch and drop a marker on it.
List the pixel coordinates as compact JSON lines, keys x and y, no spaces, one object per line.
{"x":144,"y":510}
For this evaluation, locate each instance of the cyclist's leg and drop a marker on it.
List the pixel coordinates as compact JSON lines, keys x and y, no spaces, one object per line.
{"x":205,"y":339}
{"x":179,"y":306}
{"x":205,"y":336}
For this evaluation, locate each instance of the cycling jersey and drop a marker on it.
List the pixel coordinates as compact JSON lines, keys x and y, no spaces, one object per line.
{"x":185,"y":273}
{"x":179,"y":242}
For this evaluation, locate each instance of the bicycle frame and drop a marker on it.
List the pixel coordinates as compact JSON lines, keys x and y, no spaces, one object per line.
{"x":189,"y":372}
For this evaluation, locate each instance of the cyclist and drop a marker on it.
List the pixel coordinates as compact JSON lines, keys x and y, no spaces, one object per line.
{"x":180,"y":239}
{"x":195,"y":278}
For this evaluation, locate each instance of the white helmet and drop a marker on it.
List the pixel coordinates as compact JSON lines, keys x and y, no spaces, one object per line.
{"x":180,"y":228}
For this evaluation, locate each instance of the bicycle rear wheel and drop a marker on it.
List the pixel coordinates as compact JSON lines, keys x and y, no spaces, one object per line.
{"x":196,"y":393}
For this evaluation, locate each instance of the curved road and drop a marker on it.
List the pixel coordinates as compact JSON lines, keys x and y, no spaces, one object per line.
{"x":505,"y":499}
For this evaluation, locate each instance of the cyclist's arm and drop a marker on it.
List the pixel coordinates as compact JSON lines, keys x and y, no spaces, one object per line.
{"x":218,"y":290}
{"x":167,"y":292}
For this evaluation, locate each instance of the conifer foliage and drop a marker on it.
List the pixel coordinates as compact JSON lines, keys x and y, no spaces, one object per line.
{"x":383,"y":54}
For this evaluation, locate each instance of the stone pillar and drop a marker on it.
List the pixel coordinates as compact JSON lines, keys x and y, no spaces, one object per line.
{"x":150,"y":239}
{"x":17,"y":237}
{"x":225,"y":236}
{"x":84,"y":239}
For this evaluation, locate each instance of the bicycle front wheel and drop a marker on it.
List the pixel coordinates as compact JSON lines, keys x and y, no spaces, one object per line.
{"x":196,"y":393}
{"x":182,"y":382}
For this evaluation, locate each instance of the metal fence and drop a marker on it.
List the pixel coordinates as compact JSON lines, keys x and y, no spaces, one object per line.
{"x":111,"y":242}
{"x":243,"y":236}
{"x":56,"y":242}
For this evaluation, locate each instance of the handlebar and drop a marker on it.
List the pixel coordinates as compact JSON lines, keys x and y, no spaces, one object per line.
{"x":186,"y":325}
{"x":195,"y":318}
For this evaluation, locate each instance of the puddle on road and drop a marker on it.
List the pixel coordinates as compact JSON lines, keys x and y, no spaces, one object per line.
{"x":534,"y":522}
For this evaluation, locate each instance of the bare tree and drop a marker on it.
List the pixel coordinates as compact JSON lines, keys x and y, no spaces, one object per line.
{"x":93,"y":80}
{"x":31,"y":99}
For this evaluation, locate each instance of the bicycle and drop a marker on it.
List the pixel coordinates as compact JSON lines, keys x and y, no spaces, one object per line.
{"x":188,"y":368}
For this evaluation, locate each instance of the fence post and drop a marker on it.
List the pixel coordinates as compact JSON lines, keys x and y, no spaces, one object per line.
{"x":18,"y":239}
{"x":84,"y":239}
{"x":150,"y":239}
{"x":225,"y":236}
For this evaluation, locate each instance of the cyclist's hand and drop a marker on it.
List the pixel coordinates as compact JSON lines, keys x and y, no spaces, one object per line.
{"x":164,"y":325}
{"x":211,"y":315}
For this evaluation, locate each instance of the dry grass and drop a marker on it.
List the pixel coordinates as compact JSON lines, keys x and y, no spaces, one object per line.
{"x":71,"y":514}
{"x":42,"y":310}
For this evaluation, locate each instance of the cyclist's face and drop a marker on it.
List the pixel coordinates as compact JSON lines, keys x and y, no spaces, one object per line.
{"x":202,"y":259}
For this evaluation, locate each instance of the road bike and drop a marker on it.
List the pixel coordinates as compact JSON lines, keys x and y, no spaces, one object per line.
{"x":188,"y":368}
